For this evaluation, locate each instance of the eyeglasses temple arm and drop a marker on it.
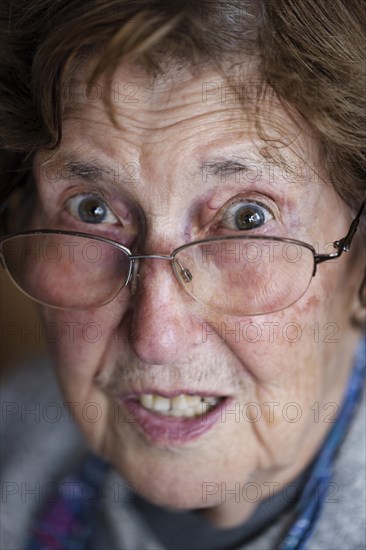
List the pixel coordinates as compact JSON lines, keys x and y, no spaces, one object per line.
{"x":343,"y":245}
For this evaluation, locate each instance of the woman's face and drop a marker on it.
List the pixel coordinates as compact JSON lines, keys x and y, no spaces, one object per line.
{"x":184,"y":159}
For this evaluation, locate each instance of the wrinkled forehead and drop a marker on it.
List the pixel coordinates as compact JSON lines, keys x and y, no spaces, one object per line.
{"x":195,"y":122}
{"x":180,"y":99}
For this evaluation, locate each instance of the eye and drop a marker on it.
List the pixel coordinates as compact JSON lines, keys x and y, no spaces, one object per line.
{"x":246,"y":216}
{"x":90,"y":209}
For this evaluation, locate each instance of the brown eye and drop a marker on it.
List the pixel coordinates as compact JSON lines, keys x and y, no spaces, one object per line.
{"x":90,"y":209}
{"x":246,"y":216}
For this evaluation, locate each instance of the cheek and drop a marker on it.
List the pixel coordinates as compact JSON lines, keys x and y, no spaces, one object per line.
{"x":78,"y":340}
{"x":272,"y":347}
{"x":80,"y":353}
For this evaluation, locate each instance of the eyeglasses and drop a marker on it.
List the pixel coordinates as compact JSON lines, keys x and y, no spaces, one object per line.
{"x":235,"y":275}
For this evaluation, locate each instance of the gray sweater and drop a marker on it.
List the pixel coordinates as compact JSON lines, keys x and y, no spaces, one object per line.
{"x":40,"y":443}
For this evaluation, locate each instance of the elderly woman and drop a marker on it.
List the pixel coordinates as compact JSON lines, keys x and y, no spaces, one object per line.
{"x":182,"y":195}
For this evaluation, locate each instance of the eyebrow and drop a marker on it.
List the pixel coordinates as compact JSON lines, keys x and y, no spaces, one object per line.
{"x":96,"y":171}
{"x":69,"y":166}
{"x":226,"y":167}
{"x":88,"y":171}
{"x":239,"y":163}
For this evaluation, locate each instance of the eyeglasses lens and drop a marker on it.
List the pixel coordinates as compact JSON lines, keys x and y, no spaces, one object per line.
{"x":246,"y":277}
{"x":66,"y":271}
{"x":234,"y":276}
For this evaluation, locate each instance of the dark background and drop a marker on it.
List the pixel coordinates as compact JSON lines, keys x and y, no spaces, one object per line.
{"x":20,"y":329}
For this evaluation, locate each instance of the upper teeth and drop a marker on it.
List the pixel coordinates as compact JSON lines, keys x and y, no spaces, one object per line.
{"x":181,"y":405}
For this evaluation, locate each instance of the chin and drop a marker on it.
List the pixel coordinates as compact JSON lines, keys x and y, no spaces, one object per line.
{"x":164,"y":483}
{"x":179,"y":497}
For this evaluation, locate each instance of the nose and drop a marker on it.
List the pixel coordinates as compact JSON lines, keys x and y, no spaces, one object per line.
{"x":162,"y":321}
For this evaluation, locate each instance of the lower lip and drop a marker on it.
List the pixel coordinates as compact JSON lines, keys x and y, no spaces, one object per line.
{"x":166,"y":429}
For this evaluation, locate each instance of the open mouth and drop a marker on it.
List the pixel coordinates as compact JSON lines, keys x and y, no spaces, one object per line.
{"x":175,"y":419}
